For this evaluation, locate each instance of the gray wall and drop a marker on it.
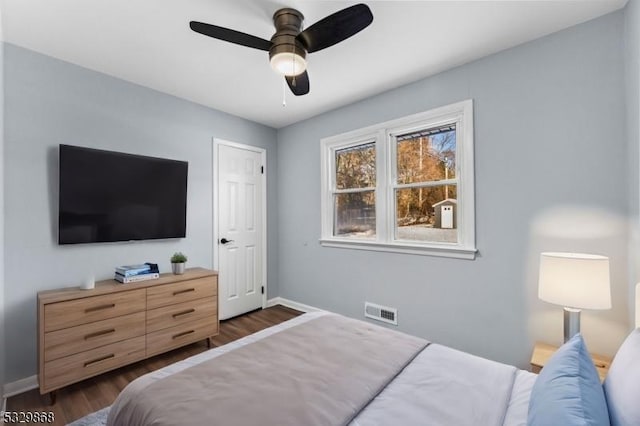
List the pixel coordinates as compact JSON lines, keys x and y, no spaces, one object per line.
{"x":632,"y":82}
{"x":549,"y":130}
{"x":3,"y":344}
{"x":50,"y":102}
{"x":632,"y":90}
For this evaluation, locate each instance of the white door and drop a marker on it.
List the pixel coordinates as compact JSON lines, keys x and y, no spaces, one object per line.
{"x":240,"y":235}
{"x":446,"y":216}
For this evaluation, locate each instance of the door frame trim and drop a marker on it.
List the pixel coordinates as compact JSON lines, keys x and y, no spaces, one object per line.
{"x":214,"y":211}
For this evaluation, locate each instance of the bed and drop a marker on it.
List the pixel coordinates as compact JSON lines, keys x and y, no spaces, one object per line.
{"x":325,"y":369}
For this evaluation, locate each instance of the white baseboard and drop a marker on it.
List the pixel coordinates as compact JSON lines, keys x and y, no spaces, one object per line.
{"x":20,"y":386}
{"x":293,"y":305}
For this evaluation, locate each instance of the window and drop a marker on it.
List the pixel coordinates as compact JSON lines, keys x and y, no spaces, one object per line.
{"x":403,"y":186}
{"x":355,"y":191}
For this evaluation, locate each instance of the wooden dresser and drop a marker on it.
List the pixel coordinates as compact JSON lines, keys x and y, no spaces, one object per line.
{"x":82,"y":333}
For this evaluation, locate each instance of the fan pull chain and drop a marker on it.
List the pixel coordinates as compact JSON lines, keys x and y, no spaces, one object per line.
{"x":284,"y":93}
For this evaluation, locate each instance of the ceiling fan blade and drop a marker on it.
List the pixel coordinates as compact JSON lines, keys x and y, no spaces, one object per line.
{"x":231,"y":36}
{"x":336,"y":28}
{"x":299,"y":84}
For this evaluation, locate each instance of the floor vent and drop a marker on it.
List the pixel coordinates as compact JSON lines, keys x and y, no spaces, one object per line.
{"x":381,"y":313}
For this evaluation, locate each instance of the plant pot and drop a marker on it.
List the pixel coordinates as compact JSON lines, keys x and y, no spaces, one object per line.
{"x":177,"y":268}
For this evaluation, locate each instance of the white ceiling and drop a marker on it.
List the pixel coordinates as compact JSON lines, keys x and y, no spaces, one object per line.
{"x":149,"y":42}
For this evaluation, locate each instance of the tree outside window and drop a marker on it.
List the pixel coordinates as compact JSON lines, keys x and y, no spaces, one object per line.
{"x":355,"y":198}
{"x":426,"y":186}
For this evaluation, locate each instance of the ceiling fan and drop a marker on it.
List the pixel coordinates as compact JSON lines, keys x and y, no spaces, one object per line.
{"x":289,"y":46}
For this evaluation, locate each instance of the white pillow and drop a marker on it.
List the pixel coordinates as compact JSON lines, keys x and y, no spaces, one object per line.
{"x":622,"y":385}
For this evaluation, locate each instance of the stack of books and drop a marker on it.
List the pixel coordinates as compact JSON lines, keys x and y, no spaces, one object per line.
{"x":134,"y":273}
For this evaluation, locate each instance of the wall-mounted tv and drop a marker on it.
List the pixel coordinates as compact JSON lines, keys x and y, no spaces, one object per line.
{"x":110,"y":196}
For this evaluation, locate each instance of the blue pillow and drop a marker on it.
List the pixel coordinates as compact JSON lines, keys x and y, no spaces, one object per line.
{"x":622,"y":385}
{"x":568,"y":391}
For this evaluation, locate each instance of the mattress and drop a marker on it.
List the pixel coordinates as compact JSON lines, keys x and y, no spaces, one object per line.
{"x":440,"y":386}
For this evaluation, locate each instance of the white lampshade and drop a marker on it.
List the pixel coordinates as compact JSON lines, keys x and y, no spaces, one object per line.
{"x":575,"y":280}
{"x":289,"y":64}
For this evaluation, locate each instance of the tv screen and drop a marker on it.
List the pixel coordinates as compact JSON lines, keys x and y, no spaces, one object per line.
{"x":112,"y":196}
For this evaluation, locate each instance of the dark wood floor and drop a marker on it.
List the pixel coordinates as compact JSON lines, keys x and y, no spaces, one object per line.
{"x":82,"y":398}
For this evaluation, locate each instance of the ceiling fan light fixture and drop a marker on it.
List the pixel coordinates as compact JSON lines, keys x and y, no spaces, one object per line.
{"x":289,"y":46}
{"x":288,"y":64}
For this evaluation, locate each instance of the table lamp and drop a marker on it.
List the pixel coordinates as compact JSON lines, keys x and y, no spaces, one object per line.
{"x":575,"y":281}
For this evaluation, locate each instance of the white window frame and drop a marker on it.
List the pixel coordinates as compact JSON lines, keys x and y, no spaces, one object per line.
{"x":384,"y":134}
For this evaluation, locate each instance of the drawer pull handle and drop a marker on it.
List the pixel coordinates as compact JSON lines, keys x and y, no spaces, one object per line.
{"x":183,"y":334}
{"x":99,"y":333}
{"x":189,"y":290}
{"x":99,"y":308}
{"x":104,"y":358}
{"x":188,"y":311}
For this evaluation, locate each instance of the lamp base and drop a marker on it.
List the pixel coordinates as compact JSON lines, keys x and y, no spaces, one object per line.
{"x":571,"y":323}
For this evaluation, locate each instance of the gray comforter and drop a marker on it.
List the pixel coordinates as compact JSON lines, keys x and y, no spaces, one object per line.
{"x":321,"y":372}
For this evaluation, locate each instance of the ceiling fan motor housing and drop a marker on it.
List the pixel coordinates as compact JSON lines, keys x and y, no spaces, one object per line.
{"x":288,"y":23}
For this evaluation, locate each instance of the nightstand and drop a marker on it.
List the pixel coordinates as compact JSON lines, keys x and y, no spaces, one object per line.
{"x":542,"y":352}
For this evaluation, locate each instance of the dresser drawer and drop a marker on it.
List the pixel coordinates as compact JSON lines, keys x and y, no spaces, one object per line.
{"x":90,"y":309}
{"x":71,"y":369}
{"x":69,"y":341}
{"x":183,"y":291}
{"x":174,"y":337}
{"x":181,"y":313}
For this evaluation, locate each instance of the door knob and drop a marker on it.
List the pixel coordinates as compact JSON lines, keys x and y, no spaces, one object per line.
{"x":225,"y":241}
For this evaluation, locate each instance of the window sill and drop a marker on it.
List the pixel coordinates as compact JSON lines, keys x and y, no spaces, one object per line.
{"x":424,"y":250}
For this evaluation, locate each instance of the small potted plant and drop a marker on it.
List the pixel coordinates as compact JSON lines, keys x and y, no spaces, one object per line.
{"x":177,"y":263}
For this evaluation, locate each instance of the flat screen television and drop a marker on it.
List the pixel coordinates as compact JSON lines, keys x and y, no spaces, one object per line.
{"x":107,"y":196}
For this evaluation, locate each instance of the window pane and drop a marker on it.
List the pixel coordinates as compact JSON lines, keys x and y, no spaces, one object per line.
{"x":427,"y":214}
{"x":356,"y":167}
{"x":427,"y":155}
{"x":355,"y":215}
